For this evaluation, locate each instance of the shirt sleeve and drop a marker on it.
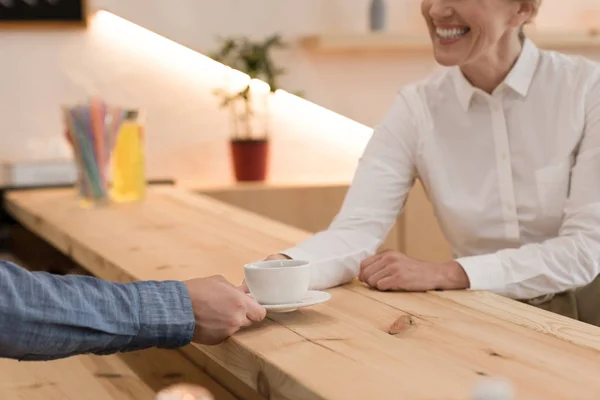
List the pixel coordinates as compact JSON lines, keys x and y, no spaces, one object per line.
{"x":385,"y":174}
{"x":45,"y":316}
{"x":568,"y":261}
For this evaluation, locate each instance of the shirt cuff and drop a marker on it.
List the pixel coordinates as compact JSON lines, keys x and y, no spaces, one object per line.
{"x":166,"y":315}
{"x":326,"y":273}
{"x":296,"y":253}
{"x":484,"y":272}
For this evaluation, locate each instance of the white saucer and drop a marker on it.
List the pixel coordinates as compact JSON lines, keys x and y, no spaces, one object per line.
{"x":311,"y":298}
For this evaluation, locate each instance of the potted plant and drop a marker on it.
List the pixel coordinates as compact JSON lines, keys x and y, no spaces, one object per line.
{"x":249,"y":110}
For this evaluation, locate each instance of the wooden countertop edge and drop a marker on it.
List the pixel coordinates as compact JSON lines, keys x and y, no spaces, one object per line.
{"x":204,"y":356}
{"x":217,"y":361}
{"x":245,"y":187}
{"x":489,"y":303}
{"x":539,"y":320}
{"x":245,"y":359}
{"x":237,"y":352}
{"x":543,"y":321}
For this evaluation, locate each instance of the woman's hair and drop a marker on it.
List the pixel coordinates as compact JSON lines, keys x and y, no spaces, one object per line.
{"x":536,"y":7}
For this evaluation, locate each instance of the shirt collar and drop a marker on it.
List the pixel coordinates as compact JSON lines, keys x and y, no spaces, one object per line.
{"x":518,"y":79}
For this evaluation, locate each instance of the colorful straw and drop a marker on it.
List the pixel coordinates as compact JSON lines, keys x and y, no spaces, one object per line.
{"x":91,"y":129}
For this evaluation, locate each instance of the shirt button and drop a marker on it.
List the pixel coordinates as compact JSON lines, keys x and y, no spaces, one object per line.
{"x":510,"y":207}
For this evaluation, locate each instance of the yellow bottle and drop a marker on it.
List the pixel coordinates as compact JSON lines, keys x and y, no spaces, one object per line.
{"x":128,"y":161}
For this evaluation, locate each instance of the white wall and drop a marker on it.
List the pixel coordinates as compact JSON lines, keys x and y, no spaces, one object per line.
{"x":360,"y":88}
{"x":341,"y":83}
{"x":187,"y":133}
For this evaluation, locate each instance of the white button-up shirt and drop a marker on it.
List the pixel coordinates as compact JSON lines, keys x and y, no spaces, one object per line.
{"x":514,"y":178}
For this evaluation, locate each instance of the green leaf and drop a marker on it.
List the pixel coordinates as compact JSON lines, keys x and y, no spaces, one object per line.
{"x":299,"y":93}
{"x":251,"y":57}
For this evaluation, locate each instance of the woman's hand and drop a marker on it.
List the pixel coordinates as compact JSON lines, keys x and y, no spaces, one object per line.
{"x":392,"y":270}
{"x":277,"y":257}
{"x":243,"y":285}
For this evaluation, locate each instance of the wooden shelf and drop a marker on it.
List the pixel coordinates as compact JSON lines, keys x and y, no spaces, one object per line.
{"x":566,"y":41}
{"x":415,"y":43}
{"x":366,"y":43}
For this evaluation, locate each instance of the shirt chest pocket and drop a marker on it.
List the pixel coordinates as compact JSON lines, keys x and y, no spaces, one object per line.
{"x":553,"y":189}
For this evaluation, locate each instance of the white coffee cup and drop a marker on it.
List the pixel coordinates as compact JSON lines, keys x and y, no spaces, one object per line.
{"x":278,"y":281}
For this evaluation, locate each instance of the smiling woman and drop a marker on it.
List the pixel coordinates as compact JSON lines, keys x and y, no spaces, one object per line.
{"x":505,"y":139}
{"x":462,"y":32}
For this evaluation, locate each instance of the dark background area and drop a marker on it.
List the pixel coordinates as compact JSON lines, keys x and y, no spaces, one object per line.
{"x":43,"y":10}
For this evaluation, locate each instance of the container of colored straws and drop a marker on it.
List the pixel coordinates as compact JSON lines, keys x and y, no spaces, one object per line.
{"x":92,"y":130}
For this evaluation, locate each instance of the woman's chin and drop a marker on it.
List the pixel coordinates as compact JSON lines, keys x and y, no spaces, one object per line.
{"x":450,"y":57}
{"x":446,"y":60}
{"x":450,"y":53}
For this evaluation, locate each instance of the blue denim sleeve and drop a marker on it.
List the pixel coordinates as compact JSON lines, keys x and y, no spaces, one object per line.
{"x":45,"y":316}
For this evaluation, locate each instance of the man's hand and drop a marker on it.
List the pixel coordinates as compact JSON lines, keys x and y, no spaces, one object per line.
{"x":243,"y":287}
{"x":220,"y":309}
{"x":392,"y":270}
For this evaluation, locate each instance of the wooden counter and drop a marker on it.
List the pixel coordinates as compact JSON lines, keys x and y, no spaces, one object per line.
{"x":75,"y":378}
{"x":129,"y":376}
{"x":312,"y":206}
{"x":362,"y":344}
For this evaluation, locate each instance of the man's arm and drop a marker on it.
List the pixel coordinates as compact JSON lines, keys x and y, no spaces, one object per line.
{"x":44,"y":316}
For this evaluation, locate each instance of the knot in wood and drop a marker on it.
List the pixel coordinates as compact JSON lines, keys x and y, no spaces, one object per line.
{"x":262,"y":384}
{"x":402,"y":324}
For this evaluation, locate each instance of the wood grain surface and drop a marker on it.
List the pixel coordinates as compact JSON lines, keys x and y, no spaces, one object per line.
{"x":362,"y":344}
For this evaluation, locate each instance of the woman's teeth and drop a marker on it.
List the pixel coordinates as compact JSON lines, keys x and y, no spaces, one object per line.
{"x":454,"y":33}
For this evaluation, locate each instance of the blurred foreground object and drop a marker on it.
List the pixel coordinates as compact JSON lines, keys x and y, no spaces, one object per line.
{"x":184,"y":392}
{"x":494,"y":389}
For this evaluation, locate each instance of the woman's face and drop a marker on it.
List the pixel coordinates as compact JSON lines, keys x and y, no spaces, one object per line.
{"x":462,"y":31}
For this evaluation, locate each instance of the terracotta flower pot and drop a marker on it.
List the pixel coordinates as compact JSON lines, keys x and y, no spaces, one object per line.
{"x":250,"y":159}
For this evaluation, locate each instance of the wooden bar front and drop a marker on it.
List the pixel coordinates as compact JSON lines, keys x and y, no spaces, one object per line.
{"x":362,"y":344}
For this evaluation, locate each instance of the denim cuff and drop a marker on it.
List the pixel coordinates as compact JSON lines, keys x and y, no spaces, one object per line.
{"x":165,"y":314}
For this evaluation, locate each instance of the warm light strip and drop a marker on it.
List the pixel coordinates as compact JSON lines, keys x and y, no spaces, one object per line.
{"x":127,"y":33}
{"x":182,"y":59}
